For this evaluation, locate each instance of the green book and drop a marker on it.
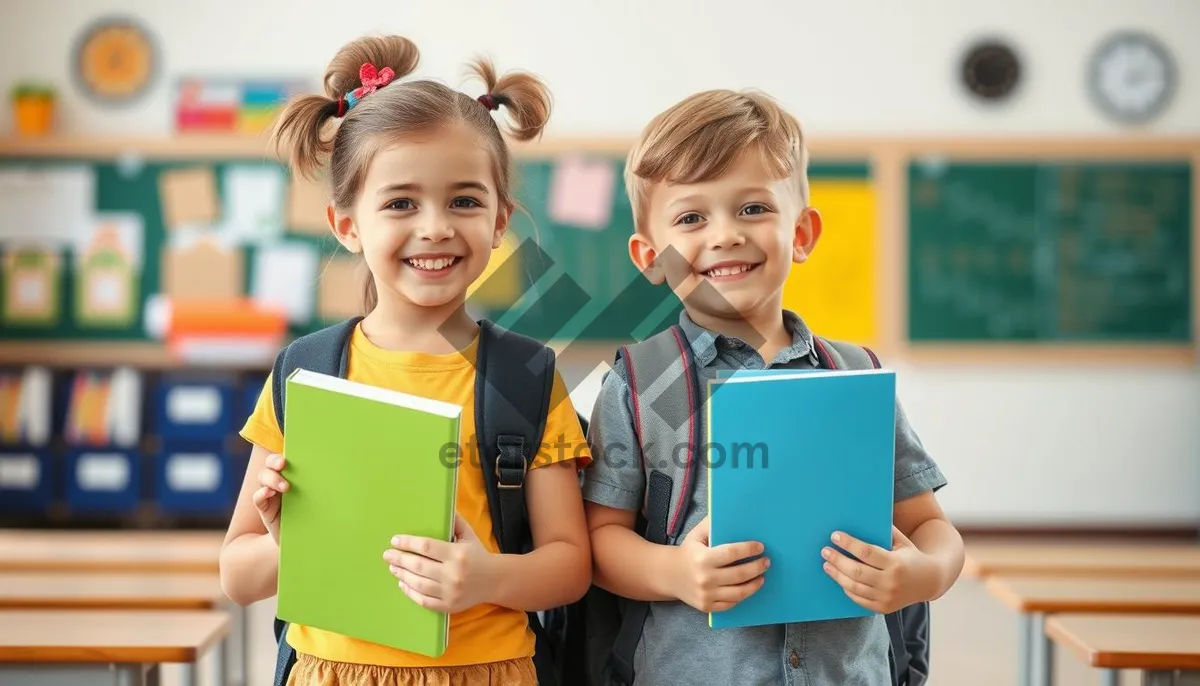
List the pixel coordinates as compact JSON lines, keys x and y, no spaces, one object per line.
{"x":364,"y":464}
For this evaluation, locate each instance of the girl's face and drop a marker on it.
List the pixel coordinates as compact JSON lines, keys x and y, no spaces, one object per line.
{"x":428,"y":217}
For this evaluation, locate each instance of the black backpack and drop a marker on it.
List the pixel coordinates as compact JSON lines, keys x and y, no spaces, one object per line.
{"x":613,"y":624}
{"x":514,"y":377}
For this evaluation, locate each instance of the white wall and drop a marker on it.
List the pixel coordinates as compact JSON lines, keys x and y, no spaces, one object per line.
{"x":1019,"y":445}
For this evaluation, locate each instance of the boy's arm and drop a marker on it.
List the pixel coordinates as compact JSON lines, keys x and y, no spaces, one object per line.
{"x":922,"y":521}
{"x":625,"y":563}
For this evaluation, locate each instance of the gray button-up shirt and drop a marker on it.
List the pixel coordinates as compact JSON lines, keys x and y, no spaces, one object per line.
{"x":677,"y":645}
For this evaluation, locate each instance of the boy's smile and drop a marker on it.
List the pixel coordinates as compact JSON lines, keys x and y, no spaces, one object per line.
{"x":726,"y":245}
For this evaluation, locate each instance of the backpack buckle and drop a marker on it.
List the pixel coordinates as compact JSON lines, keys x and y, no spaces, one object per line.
{"x":510,"y":462}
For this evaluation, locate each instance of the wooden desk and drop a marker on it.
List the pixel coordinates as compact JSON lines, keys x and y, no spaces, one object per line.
{"x":1166,"y":649}
{"x":126,"y":552}
{"x":1057,"y":558}
{"x":30,"y":550}
{"x":115,"y":591}
{"x":1035,"y":598}
{"x":43,"y":647}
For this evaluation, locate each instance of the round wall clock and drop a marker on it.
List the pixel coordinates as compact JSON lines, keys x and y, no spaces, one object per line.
{"x":115,"y":60}
{"x":991,"y":70}
{"x":1131,"y":76}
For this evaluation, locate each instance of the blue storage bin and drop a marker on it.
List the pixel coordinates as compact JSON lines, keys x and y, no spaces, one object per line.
{"x":251,"y":389}
{"x":103,"y":479}
{"x":195,"y":477}
{"x":195,"y":409}
{"x":27,"y":480}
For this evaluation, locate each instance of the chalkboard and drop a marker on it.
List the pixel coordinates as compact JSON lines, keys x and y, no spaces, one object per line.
{"x":604,"y":298}
{"x":1032,"y":252}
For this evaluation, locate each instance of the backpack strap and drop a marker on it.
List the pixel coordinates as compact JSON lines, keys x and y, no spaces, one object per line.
{"x":664,"y":389}
{"x":323,"y":351}
{"x":513,"y":381}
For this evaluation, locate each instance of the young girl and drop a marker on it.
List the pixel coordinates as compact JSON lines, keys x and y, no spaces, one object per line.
{"x":421,"y":187}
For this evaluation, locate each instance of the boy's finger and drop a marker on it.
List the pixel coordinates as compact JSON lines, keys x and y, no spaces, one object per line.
{"x":738,"y":593}
{"x":739,"y":574}
{"x":730,"y":553}
{"x":853,"y":570}
{"x":872,"y":555}
{"x":852,"y":587}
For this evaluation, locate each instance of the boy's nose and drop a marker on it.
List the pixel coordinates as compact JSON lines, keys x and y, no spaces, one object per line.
{"x":726,"y":234}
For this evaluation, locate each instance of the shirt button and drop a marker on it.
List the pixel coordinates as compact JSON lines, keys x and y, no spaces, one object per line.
{"x":794,"y":659}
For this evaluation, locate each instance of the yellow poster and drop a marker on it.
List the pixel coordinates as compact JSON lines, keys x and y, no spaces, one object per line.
{"x":834,"y":291}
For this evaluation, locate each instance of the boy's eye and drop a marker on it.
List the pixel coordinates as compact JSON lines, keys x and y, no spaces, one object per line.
{"x":465,"y":202}
{"x":400,"y":205}
{"x":755,"y":208}
{"x":689,"y":218}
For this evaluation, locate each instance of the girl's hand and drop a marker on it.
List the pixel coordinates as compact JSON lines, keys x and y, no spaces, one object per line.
{"x":266,"y":498}
{"x":447,"y":577}
{"x":882,"y":580}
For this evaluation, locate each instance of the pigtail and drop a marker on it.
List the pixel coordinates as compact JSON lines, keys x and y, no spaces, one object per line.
{"x":297,"y":135}
{"x":524,"y":95}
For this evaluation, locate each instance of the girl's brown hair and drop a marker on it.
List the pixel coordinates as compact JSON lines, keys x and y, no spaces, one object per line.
{"x":398,"y":109}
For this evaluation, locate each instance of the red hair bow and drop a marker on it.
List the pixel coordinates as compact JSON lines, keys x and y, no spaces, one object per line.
{"x":371,"y":79}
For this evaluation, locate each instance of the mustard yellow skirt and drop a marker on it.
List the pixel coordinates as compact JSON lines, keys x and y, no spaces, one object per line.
{"x":312,"y":671}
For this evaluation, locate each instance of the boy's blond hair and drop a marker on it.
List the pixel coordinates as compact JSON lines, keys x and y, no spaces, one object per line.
{"x":699,"y":137}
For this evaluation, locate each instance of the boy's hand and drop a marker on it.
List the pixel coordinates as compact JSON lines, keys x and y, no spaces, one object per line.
{"x":883,"y":580}
{"x":447,"y":577}
{"x":266,"y":498}
{"x":705,"y":578}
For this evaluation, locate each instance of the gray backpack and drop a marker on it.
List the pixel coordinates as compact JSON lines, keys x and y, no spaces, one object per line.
{"x":666,"y":393}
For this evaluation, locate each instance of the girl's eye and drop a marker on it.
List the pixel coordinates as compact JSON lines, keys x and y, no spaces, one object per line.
{"x":400,"y":205}
{"x":465,"y":203}
{"x":755,"y":208}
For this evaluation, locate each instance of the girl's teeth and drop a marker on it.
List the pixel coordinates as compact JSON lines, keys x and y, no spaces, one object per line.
{"x":432,"y":265}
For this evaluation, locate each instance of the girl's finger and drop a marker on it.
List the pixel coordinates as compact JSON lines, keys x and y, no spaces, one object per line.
{"x":272,"y":479}
{"x":426,"y":587}
{"x":416,"y":564}
{"x":425,"y":547}
{"x":422,"y":599}
{"x":262,"y":495}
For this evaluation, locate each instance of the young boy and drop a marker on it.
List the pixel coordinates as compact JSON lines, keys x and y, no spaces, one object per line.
{"x":719,"y":190}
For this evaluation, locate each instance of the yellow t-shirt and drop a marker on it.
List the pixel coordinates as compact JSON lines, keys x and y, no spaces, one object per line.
{"x":484,"y":633}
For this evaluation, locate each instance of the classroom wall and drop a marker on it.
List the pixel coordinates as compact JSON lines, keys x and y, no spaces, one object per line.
{"x":1035,"y":444}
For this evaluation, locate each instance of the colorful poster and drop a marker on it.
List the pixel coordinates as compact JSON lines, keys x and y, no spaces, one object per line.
{"x":32,"y":278}
{"x":835,"y":290}
{"x":108,"y":272}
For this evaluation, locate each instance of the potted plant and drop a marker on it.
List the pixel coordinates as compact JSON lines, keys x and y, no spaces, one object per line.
{"x":33,"y":108}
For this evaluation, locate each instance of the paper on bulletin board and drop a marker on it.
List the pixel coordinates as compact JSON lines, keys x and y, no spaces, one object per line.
{"x":32,"y":278}
{"x":835,"y":290}
{"x":285,"y":277}
{"x":203,"y":268}
{"x":307,"y":200}
{"x":188,"y":197}
{"x":581,"y":192}
{"x":254,"y":203}
{"x":108,"y":266}
{"x":45,"y":207}
{"x":340,"y":289}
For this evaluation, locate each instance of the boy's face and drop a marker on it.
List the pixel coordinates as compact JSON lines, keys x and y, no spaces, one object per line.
{"x":725,"y":246}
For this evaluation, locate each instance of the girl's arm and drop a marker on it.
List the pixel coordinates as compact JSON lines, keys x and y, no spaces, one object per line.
{"x":558,"y":571}
{"x":249,"y":556}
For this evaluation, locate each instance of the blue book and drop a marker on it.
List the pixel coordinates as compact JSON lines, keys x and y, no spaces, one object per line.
{"x":795,"y":455}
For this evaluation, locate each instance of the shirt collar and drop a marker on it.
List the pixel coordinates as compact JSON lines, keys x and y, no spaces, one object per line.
{"x":705,"y":342}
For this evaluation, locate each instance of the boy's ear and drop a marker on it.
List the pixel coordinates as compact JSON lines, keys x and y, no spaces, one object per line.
{"x":808,"y":231}
{"x":503,"y":217}
{"x":343,"y":229}
{"x":645,"y":258}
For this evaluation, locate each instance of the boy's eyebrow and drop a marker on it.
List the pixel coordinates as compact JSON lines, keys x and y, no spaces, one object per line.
{"x":745,"y":190}
{"x":410,"y":187}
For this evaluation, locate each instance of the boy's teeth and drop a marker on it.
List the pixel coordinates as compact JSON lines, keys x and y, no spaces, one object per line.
{"x":432,"y":265}
{"x":729,"y":271}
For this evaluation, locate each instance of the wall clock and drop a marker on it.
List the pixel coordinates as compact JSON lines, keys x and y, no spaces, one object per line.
{"x":115,"y":60}
{"x":991,"y":70}
{"x":1131,"y":76}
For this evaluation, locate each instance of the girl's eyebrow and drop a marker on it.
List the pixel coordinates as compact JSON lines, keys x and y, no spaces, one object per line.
{"x":413,"y":187}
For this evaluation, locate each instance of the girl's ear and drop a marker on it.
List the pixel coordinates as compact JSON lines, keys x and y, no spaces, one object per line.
{"x":808,"y":231}
{"x":503,"y":217}
{"x":645,"y":258}
{"x":343,"y":229}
